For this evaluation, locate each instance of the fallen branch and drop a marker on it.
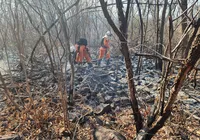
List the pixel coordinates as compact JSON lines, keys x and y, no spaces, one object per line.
{"x":159,"y":57}
{"x":193,"y":97}
{"x":192,"y":115}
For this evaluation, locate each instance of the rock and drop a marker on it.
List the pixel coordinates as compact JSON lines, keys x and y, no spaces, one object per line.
{"x":122,"y":101}
{"x":108,"y":99}
{"x":150,"y":85}
{"x":112,"y":105}
{"x":143,"y":89}
{"x":139,"y":83}
{"x":154,"y":88}
{"x":98,"y":121}
{"x":100,"y":86}
{"x":182,"y":94}
{"x":78,"y":97}
{"x":123,"y":80}
{"x":100,"y":97}
{"x":102,"y":133}
{"x":146,"y":83}
{"x":122,"y":93}
{"x":85,"y":90}
{"x":190,"y":101}
{"x":73,"y":117}
{"x":102,"y":108}
{"x":83,"y":120}
{"x":110,"y":93}
{"x":111,"y":71}
{"x":141,"y":77}
{"x":96,"y":80}
{"x":149,"y":99}
{"x":116,"y":102}
{"x":113,"y":84}
{"x":143,"y":82}
{"x":91,"y":96}
{"x":112,"y":88}
{"x":123,"y":69}
{"x":79,"y":79}
{"x":151,"y":73}
{"x":120,"y":87}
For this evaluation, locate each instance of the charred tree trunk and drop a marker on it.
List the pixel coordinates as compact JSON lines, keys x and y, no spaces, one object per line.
{"x":162,"y":25}
{"x":184,"y":48}
{"x":158,"y":49}
{"x":122,"y":34}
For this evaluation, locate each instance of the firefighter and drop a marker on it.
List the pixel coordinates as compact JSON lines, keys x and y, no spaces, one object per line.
{"x":82,"y":52}
{"x":104,"y":50}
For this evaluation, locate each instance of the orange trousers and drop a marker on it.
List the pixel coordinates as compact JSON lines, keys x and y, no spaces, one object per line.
{"x":104,"y":52}
{"x":81,"y":54}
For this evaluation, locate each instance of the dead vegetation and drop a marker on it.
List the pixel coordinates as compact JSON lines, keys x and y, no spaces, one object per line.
{"x":41,"y":115}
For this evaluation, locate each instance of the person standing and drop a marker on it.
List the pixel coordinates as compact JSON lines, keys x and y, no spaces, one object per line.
{"x":82,"y":52}
{"x":104,"y":50}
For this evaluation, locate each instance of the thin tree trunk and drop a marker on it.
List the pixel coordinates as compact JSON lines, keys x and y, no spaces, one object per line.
{"x":157,"y":34}
{"x":122,"y":34}
{"x":147,"y":21}
{"x":162,"y":25}
{"x":184,"y":24}
{"x":49,"y":54}
{"x":139,"y":66}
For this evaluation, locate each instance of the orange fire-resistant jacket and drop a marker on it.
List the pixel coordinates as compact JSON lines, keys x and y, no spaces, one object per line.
{"x":104,"y":49}
{"x":82,"y":53}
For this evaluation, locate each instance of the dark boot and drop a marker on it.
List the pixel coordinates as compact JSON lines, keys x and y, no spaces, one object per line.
{"x":99,"y":62}
{"x":90,"y":65}
{"x":107,"y":62}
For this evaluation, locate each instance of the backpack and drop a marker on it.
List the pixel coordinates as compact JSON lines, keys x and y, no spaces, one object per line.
{"x":82,"y":41}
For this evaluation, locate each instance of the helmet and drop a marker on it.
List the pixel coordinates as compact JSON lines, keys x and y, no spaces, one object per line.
{"x":108,"y":33}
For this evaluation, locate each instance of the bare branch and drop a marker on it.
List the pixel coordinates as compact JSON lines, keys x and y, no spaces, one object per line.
{"x":162,"y":57}
{"x":110,"y":21}
{"x":184,"y":12}
{"x":50,"y":27}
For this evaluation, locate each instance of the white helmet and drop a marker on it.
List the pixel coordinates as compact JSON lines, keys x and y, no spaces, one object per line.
{"x":108,"y":33}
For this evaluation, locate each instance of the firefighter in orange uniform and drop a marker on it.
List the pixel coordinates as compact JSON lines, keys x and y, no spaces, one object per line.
{"x":82,"y":52}
{"x":104,"y":50}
